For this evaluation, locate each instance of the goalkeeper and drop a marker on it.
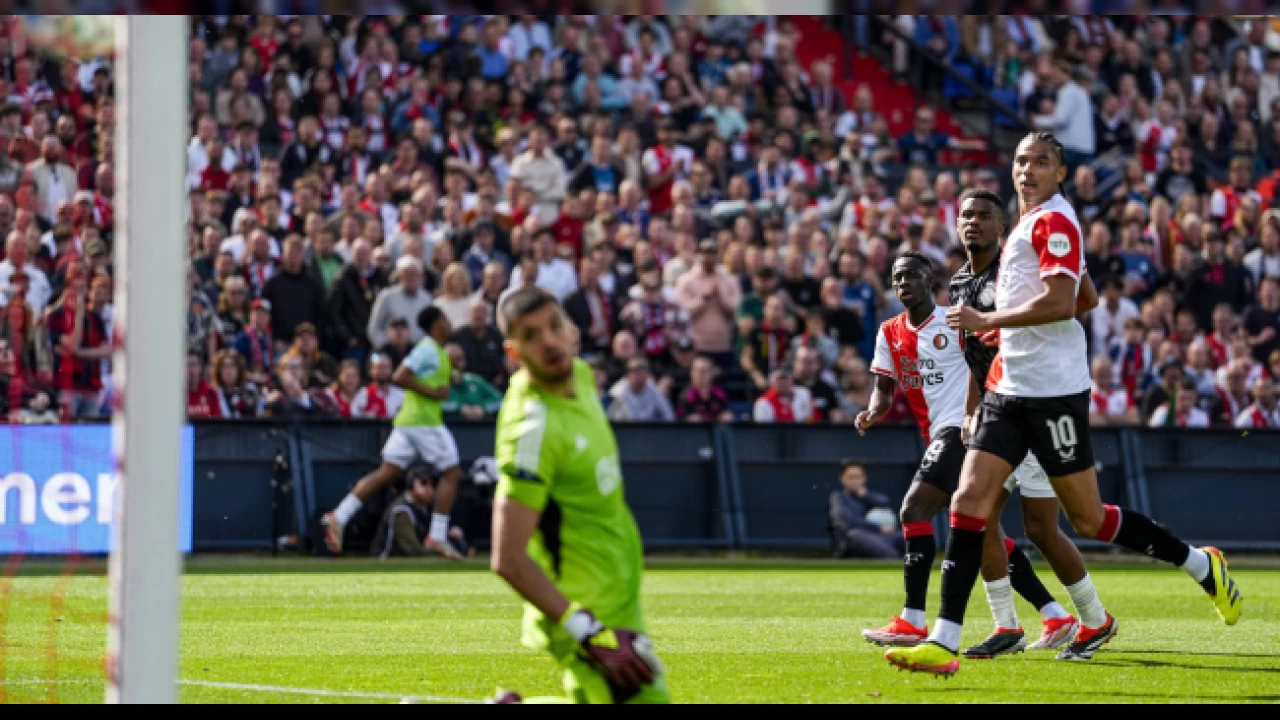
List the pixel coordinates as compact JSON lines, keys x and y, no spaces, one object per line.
{"x":563,"y":536}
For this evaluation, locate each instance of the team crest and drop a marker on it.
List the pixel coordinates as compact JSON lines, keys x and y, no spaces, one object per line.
{"x":987,"y":298}
{"x":940,"y":341}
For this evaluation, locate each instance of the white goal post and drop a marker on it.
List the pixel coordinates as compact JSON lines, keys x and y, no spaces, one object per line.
{"x":150,"y":308}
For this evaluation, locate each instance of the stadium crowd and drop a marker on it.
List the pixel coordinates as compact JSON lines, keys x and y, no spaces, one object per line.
{"x":718,"y":219}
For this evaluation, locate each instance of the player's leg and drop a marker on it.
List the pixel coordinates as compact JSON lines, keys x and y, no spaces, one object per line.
{"x":998,"y":445}
{"x":1000,"y":581}
{"x":1040,"y":511}
{"x":1068,"y":458}
{"x":930,"y":492}
{"x":922,"y":502}
{"x":437,"y":446}
{"x":398,"y":453}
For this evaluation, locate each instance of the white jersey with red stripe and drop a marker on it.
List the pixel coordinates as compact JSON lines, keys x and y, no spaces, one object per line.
{"x":1047,"y":360}
{"x":928,"y":364}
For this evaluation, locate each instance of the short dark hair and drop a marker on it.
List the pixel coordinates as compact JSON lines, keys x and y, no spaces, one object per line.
{"x":1059,"y":152}
{"x":520,"y":303}
{"x":1187,"y":383}
{"x":847,"y":463}
{"x":982,"y":194}
{"x":918,"y":257}
{"x":428,"y":317}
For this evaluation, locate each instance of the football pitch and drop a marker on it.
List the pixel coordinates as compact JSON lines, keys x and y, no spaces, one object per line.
{"x":758,"y":631}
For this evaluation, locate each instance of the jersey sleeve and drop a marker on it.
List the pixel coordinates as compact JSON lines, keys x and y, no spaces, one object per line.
{"x":424,"y":359}
{"x":882,"y":360}
{"x":1058,"y":245}
{"x":526,"y":455}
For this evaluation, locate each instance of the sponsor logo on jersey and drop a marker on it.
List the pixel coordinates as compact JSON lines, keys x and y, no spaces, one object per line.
{"x":608,"y":475}
{"x":919,"y":373}
{"x":987,"y":297}
{"x":940,"y":341}
{"x":1059,"y":245}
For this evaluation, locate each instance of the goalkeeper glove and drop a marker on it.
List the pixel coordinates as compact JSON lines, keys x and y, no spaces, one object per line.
{"x":624,"y":656}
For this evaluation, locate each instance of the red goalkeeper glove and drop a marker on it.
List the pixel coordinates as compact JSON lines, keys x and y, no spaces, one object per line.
{"x":624,"y":656}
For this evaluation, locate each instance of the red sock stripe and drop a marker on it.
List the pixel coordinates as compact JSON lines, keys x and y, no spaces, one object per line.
{"x":1009,"y":546}
{"x":920,"y":528}
{"x":1110,"y":523}
{"x":960,"y":521}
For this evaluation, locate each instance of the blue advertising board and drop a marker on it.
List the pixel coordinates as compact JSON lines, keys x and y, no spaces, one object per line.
{"x":59,"y":489}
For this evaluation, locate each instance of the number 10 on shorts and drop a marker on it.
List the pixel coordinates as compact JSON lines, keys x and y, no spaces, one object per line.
{"x":1063,"y":432}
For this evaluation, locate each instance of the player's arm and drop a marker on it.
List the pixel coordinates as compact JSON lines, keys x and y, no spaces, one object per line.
{"x":513,"y":526}
{"x":1057,"y":243}
{"x":972,"y":396}
{"x":881,"y":401}
{"x":1087,"y":299}
{"x":405,"y":378}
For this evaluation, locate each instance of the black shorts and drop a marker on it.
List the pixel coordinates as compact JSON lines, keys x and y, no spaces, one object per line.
{"x":942,"y":461}
{"x":1056,"y":429}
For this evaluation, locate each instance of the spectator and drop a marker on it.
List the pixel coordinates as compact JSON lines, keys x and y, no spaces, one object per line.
{"x":380,"y":399}
{"x":320,"y":370}
{"x":405,"y":299}
{"x":703,"y":401}
{"x":16,"y":271}
{"x":543,"y":172}
{"x":1111,"y":315}
{"x":652,"y":315}
{"x":292,"y":400}
{"x":1265,"y":411}
{"x":342,"y":392}
{"x":555,"y":274}
{"x":1182,"y":176}
{"x":593,"y":311}
{"x":710,"y":295}
{"x":1180,"y":409}
{"x":1233,"y":394}
{"x":202,"y":399}
{"x":399,"y":341}
{"x":493,"y":285}
{"x":922,"y":145}
{"x":471,"y":397}
{"x":455,"y":297}
{"x":636,"y":398}
{"x":297,"y":297}
{"x":1262,"y":321}
{"x":1109,"y":402}
{"x":849,"y":514}
{"x":55,"y":181}
{"x":783,"y":402}
{"x":256,"y":343}
{"x":843,"y":325}
{"x":825,"y":399}
{"x":766,"y":346}
{"x":1170,"y":374}
{"x":238,"y":398}
{"x":1218,"y":280}
{"x":1264,"y":260}
{"x":79,"y":340}
{"x":352,"y":300}
{"x":483,"y":252}
{"x":1199,"y":367}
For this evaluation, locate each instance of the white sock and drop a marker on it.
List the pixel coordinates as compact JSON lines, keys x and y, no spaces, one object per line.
{"x":1000,"y":598}
{"x":946,"y":634}
{"x":439,"y":528}
{"x":1088,"y":606}
{"x":915,"y":617}
{"x":346,"y":509}
{"x":1197,"y":565}
{"x":1054,"y":611}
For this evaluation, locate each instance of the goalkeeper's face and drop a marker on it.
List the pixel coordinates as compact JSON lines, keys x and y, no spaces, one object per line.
{"x":544,"y":342}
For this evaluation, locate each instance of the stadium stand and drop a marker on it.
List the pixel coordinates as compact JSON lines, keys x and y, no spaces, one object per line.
{"x":734,"y":188}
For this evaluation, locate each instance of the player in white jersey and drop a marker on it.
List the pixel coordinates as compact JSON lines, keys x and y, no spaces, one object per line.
{"x":1039,"y":401}
{"x":918,"y":353}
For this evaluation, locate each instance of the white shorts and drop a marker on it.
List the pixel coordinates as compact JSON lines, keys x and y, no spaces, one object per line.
{"x":1031,"y":478}
{"x":433,"y":445}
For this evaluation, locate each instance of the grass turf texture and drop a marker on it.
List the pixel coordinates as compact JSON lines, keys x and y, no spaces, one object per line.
{"x":728,"y":631}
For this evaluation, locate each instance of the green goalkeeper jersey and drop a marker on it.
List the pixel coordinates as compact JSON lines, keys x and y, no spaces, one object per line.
{"x":557,"y":455}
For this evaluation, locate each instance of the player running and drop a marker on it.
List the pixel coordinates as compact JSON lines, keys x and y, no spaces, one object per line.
{"x":980,"y":225}
{"x":419,"y":432}
{"x":563,"y":536}
{"x":916,"y":351}
{"x":1039,"y":401}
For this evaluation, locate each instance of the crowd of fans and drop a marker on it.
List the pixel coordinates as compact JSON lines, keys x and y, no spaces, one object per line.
{"x":718,"y":218}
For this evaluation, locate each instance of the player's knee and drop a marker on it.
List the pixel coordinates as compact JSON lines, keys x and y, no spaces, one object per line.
{"x":912,"y":511}
{"x":1086,"y":525}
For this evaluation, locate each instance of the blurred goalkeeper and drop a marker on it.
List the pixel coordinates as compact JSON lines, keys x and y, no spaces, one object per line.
{"x":563,"y":536}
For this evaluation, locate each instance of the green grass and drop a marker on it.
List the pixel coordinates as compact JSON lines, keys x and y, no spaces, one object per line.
{"x":779,"y":631}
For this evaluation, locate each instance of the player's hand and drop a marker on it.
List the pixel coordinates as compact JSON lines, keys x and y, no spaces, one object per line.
{"x":963,"y":317}
{"x":616,"y":653}
{"x":965,"y":434}
{"x":864,"y":421}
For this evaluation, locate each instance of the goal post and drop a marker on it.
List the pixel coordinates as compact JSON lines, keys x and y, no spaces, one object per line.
{"x":150,"y":304}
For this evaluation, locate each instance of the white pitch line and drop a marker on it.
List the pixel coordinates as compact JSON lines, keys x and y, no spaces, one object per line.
{"x":315,"y":692}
